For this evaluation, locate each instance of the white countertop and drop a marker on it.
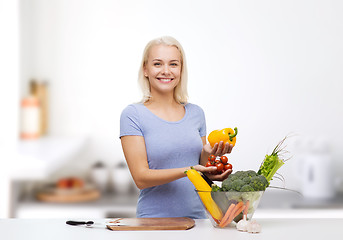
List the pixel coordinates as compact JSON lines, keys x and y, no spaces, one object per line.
{"x":19,"y":229}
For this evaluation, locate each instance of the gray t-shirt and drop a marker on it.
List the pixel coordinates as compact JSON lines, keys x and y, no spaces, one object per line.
{"x":168,"y":145}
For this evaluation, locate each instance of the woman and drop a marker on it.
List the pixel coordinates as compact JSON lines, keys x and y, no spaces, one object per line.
{"x":164,"y":135}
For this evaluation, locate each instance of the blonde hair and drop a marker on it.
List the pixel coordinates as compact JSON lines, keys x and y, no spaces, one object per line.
{"x":180,"y":92}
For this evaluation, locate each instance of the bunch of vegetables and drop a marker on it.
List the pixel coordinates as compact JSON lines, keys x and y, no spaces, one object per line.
{"x":239,"y":191}
{"x":239,"y":194}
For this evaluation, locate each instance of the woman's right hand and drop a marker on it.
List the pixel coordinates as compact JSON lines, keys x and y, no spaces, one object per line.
{"x":219,"y":149}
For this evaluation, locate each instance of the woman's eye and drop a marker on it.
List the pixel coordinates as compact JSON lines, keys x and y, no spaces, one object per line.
{"x":157,"y":64}
{"x":174,"y":64}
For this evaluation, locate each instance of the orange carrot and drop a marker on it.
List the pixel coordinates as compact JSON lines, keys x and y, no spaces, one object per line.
{"x":245,"y":213}
{"x":238,"y":211}
{"x":238,"y":206}
{"x":234,"y":213}
{"x":227,"y":214}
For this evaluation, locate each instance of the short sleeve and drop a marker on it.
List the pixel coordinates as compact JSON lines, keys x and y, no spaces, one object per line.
{"x":202,"y":129}
{"x":199,"y":115}
{"x":129,"y":122}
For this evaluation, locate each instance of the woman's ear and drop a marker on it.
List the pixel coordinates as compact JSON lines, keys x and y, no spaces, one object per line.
{"x":145,"y":71}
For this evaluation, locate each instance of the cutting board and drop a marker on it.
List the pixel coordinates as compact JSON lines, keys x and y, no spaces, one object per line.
{"x":132,"y":224}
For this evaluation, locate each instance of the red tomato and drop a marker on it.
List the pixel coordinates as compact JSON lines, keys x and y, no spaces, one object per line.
{"x":208,"y":164}
{"x":63,"y":183}
{"x":224,"y":159}
{"x":220,"y":167}
{"x":227,"y":166}
{"x":211,"y":158}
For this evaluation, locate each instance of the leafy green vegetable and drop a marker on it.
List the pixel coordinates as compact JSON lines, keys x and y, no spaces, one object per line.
{"x":270,"y":165}
{"x":215,"y":188}
{"x":272,"y":162}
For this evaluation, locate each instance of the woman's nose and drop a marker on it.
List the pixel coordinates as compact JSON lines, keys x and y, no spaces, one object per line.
{"x":166,"y":69}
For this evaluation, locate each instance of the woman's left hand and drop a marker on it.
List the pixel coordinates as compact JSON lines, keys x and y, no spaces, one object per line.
{"x":218,"y":149}
{"x":209,"y":170}
{"x":219,"y":177}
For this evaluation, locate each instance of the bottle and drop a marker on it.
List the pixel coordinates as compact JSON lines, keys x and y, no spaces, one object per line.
{"x":42,"y":95}
{"x":40,"y":91}
{"x":30,"y":118}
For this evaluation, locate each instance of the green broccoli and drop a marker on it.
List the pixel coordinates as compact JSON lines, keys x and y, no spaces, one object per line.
{"x":264,"y":181}
{"x":237,"y":185}
{"x":233,"y":177}
{"x":247,"y":180}
{"x":259,"y":183}
{"x":247,"y":188}
{"x":226,"y":185}
{"x":251,"y":173}
{"x":244,"y":181}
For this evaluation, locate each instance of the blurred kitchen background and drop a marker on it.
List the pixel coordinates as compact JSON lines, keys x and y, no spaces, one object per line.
{"x":69,"y":67}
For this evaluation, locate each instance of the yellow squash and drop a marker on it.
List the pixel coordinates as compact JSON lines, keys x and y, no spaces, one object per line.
{"x":204,"y":191}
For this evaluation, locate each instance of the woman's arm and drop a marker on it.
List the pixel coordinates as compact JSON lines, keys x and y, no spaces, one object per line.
{"x":144,"y":177}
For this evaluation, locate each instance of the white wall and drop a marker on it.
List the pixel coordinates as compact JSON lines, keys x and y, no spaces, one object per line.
{"x":268,"y":67}
{"x":9,"y":97}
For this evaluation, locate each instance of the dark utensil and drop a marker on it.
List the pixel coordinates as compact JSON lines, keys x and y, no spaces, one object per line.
{"x":76,"y":223}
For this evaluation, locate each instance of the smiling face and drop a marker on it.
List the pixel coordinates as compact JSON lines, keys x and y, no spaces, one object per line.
{"x":163,"y":68}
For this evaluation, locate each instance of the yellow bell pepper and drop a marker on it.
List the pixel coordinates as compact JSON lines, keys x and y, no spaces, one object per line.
{"x":225,"y":135}
{"x":204,"y":191}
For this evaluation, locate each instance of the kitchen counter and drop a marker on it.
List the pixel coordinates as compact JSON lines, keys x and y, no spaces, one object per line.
{"x":282,"y":199}
{"x":19,"y":229}
{"x":274,"y":204}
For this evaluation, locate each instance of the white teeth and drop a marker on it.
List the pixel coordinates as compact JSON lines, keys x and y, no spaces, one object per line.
{"x":165,"y":80}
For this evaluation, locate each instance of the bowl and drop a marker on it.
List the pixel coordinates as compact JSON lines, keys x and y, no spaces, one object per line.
{"x":225,"y":208}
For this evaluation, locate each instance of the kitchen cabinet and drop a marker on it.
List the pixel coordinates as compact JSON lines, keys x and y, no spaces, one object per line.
{"x":109,"y":205}
{"x":273,"y":205}
{"x":37,"y":159}
{"x":41,"y":157}
{"x":287,"y":204}
{"x":277,"y":203}
{"x":313,"y":229}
